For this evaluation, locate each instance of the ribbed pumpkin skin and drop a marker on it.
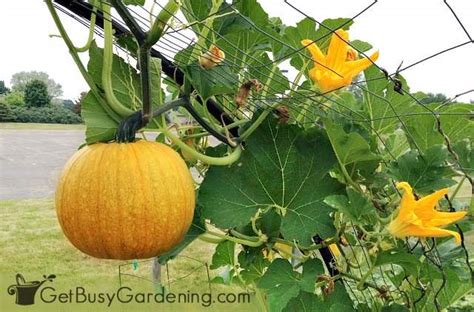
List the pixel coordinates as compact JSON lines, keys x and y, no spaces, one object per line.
{"x":125,"y":200}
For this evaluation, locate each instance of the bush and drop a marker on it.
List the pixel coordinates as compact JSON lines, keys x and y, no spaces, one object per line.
{"x":14,"y":99}
{"x":44,"y":115}
{"x":5,"y":112}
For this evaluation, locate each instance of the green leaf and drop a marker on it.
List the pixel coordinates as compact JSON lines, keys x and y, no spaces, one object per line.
{"x":337,"y":301}
{"x":283,"y":284}
{"x":352,"y":150}
{"x":354,"y":206}
{"x":100,"y":127}
{"x":196,"y":10}
{"x":382,"y":104}
{"x":311,"y":269}
{"x":242,"y":48}
{"x":128,"y":42}
{"x":361,"y":45}
{"x":157,"y":94}
{"x":306,"y":302}
{"x":134,"y":2}
{"x":282,"y":168}
{"x":253,"y":264}
{"x":214,"y":81}
{"x":425,"y":173}
{"x":408,"y":261}
{"x":125,"y":79}
{"x":464,"y":151}
{"x":340,"y":297}
{"x":422,"y":130}
{"x":270,"y":223}
{"x":275,"y":82}
{"x":455,"y":122}
{"x":197,"y":228}
{"x":305,"y":29}
{"x":452,"y":291}
{"x":224,"y":255}
{"x":396,"y":143}
{"x":395,"y":308}
{"x":253,"y":10}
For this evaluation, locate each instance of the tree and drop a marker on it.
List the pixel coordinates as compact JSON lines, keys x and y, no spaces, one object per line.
{"x":36,"y":94}
{"x":434,"y":98}
{"x":3,"y":88}
{"x":69,"y":104}
{"x":21,"y":79}
{"x":14,"y":98}
{"x":77,"y":104}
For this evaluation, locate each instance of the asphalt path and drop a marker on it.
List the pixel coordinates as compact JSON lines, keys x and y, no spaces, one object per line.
{"x":31,"y":160}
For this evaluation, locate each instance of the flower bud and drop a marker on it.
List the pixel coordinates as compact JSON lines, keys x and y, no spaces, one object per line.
{"x":212,"y":57}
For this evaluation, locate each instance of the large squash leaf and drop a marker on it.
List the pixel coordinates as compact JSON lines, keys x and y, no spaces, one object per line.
{"x":125,"y":79}
{"x":283,"y":283}
{"x":282,"y":168}
{"x":100,"y":127}
{"x":426,"y":173}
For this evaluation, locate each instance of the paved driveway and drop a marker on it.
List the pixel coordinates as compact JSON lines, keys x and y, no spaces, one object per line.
{"x":31,"y":160}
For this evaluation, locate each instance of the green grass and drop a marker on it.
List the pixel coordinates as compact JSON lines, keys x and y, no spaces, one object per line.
{"x":40,"y":126}
{"x":31,"y":242}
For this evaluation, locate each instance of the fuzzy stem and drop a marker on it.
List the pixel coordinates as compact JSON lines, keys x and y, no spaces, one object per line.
{"x":215,"y":161}
{"x":238,"y":240}
{"x":118,"y":107}
{"x":458,"y":187}
{"x":210,"y":239}
{"x":158,"y":27}
{"x":87,"y":45}
{"x":144,"y":61}
{"x":362,"y":281}
{"x":243,"y":236}
{"x":189,"y":107}
{"x":168,"y":106}
{"x":354,"y":278}
{"x":257,"y":122}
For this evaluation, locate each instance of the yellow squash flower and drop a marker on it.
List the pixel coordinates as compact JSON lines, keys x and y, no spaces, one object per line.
{"x":339,"y":66}
{"x":420,"y":218}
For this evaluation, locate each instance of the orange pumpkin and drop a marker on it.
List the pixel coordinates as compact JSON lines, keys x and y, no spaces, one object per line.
{"x":125,"y":200}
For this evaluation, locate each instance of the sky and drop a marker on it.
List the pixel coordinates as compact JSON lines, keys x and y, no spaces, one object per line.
{"x":402,"y":30}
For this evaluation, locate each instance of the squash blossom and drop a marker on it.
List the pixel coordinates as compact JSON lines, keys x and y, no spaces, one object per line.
{"x":420,"y":218}
{"x":339,"y":66}
{"x":211,"y":58}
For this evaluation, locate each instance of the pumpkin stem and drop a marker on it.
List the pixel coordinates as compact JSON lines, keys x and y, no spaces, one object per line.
{"x":131,"y":124}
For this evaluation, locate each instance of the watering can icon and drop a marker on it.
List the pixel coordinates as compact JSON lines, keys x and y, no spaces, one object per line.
{"x":25,"y":291}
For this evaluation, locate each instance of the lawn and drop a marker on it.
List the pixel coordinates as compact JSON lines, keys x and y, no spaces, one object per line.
{"x":32,"y":243}
{"x":40,"y":126}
